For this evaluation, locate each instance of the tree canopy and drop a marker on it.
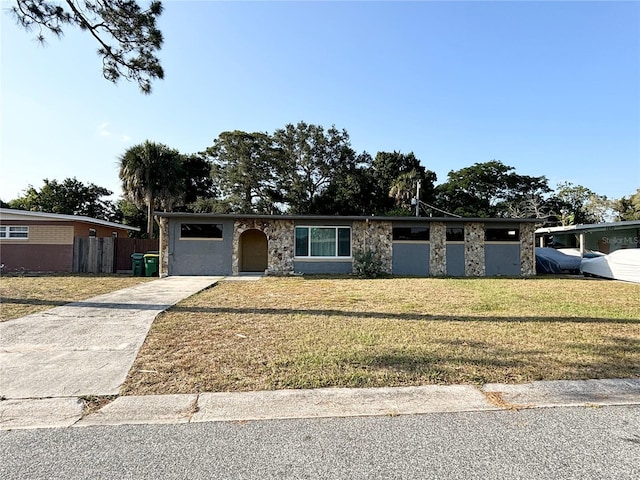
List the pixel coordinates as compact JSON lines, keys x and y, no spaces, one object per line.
{"x":129,"y":213}
{"x":305,"y":169}
{"x":395,"y":176}
{"x":245,"y":172}
{"x":351,"y":190}
{"x":198,"y":184}
{"x":127,"y":36}
{"x":628,"y":208}
{"x":579,"y":205}
{"x":490,"y":189}
{"x":309,"y":157}
{"x":69,"y":197}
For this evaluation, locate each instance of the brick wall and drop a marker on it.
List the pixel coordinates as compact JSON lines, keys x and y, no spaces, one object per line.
{"x":36,"y":258}
{"x":51,"y":234}
{"x":43,"y":234}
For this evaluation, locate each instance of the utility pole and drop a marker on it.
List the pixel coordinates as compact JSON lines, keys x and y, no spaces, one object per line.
{"x":418,"y":198}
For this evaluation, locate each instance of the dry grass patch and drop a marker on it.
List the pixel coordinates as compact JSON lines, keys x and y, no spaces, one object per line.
{"x":311,"y":332}
{"x":25,"y":294}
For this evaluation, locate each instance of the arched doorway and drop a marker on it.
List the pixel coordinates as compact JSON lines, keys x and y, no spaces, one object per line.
{"x":253,"y":251}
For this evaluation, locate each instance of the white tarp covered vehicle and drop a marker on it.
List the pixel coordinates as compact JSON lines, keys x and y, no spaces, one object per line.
{"x":618,"y":265}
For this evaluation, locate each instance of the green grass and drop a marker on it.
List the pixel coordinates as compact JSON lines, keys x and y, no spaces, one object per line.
{"x":323,"y":332}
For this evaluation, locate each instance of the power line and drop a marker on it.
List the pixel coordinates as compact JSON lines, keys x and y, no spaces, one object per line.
{"x":425,"y":205}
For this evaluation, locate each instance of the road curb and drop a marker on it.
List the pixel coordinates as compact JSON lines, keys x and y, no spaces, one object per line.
{"x":565,"y":393}
{"x":339,"y":402}
{"x":40,"y":413}
{"x":317,"y":403}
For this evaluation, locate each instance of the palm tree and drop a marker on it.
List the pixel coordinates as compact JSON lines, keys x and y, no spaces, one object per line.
{"x":151,"y":175}
{"x":403,"y":188}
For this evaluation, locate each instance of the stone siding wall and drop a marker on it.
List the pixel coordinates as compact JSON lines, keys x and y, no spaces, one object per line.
{"x":280,"y":238}
{"x":438,"y":250}
{"x":375,"y":237}
{"x":527,"y":250}
{"x":280,"y":246}
{"x":163,"y":267}
{"x":474,"y":249}
{"x":368,"y":235}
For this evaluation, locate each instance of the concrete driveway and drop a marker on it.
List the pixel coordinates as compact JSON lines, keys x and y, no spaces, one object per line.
{"x":85,"y":348}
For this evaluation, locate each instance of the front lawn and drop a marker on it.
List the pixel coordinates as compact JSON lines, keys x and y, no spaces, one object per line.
{"x":313,"y":332}
{"x":25,"y":294}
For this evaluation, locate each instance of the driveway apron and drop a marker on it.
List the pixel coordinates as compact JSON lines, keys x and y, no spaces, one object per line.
{"x":88,"y":347}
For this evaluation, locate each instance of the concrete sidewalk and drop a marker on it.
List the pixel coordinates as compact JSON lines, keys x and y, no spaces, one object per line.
{"x":85,"y":348}
{"x":317,"y":403}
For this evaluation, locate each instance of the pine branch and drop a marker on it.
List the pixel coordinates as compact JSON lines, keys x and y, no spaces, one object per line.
{"x":132,"y":30}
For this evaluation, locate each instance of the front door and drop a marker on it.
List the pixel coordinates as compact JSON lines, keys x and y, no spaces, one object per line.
{"x":253,"y":251}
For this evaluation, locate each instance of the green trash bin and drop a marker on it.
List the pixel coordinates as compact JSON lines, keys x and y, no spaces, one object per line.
{"x":151,"y":261}
{"x":137,"y":264}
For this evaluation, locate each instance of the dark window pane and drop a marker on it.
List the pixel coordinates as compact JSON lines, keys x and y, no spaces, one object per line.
{"x":502,"y":235}
{"x":302,"y":242}
{"x":18,"y":232}
{"x":411,"y":233}
{"x":455,"y":234}
{"x":344,"y":242}
{"x":200,"y":230}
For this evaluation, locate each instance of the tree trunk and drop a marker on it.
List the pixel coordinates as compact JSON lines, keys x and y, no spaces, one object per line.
{"x":150,"y":217}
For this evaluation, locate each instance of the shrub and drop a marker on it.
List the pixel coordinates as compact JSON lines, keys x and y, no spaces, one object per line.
{"x":367,"y":264}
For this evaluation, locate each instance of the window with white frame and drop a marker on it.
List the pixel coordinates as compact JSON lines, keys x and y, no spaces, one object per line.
{"x":324,"y":242}
{"x":11,"y":231}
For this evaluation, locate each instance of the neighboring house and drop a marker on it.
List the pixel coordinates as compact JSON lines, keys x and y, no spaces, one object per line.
{"x":601,"y":237}
{"x":214,"y":244}
{"x":44,"y":242}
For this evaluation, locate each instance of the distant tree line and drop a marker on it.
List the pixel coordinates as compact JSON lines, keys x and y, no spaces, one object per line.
{"x":305,"y":169}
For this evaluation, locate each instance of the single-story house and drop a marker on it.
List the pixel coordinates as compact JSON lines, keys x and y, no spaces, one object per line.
{"x":214,"y":244}
{"x":601,"y":237}
{"x":44,"y":242}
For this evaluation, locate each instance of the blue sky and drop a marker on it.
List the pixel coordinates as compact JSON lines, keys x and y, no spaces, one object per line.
{"x":550,"y":88}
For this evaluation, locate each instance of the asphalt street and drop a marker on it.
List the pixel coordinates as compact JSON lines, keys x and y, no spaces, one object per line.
{"x":550,"y":443}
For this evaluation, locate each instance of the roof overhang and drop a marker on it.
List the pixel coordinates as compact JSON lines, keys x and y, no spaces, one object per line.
{"x":591,"y":227}
{"x":329,"y":218}
{"x":8,"y":214}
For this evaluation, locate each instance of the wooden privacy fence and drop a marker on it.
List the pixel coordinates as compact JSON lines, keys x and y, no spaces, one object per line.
{"x":126,"y":246}
{"x":108,"y":254}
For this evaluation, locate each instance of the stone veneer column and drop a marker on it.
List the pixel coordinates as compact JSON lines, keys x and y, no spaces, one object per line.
{"x":437,"y":249}
{"x":280,"y":236}
{"x":374,"y":236}
{"x":474,"y":249}
{"x":527,"y":249}
{"x":163,"y":268}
